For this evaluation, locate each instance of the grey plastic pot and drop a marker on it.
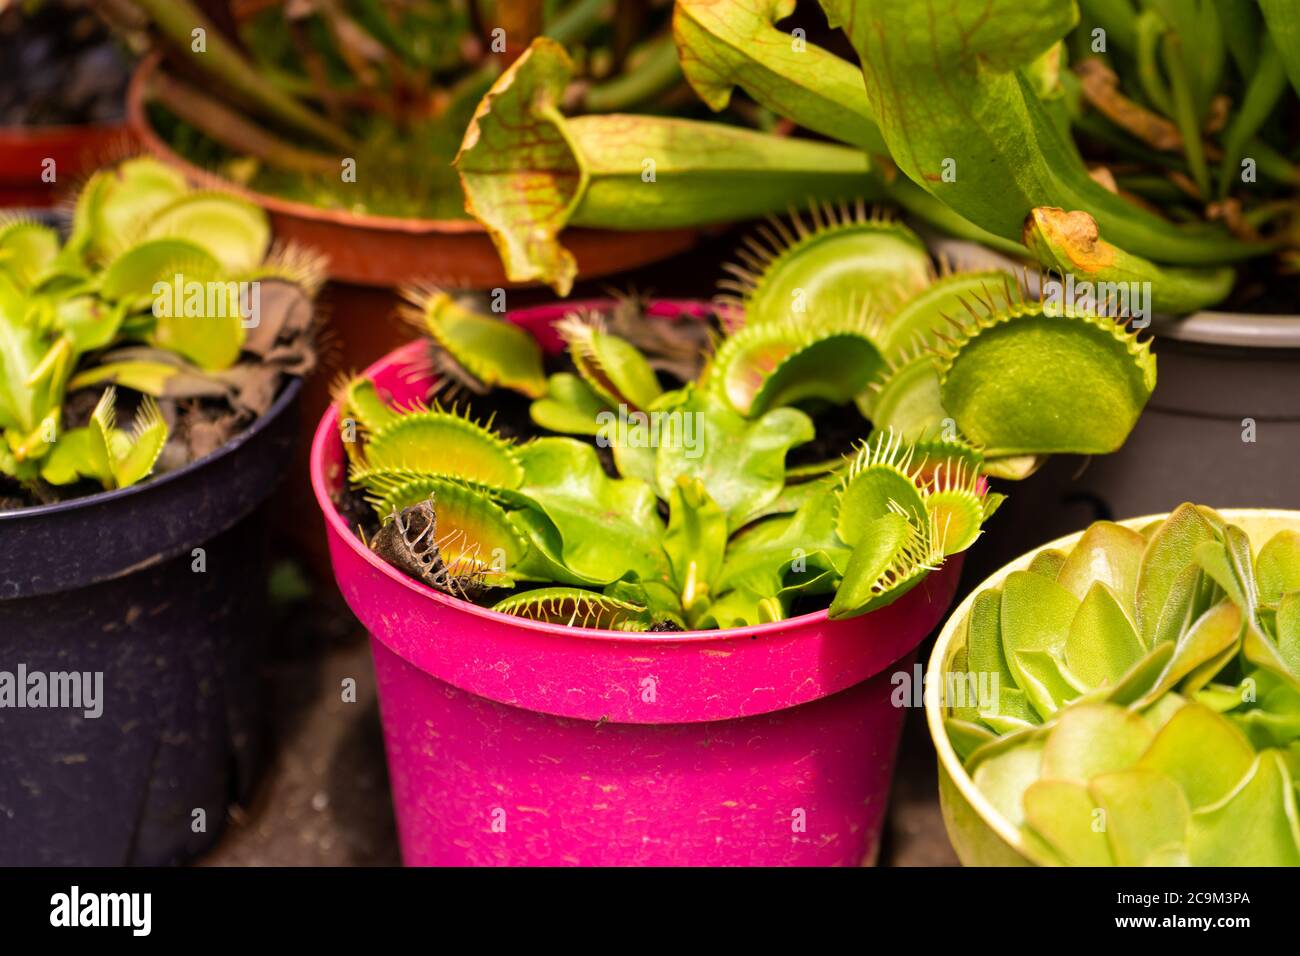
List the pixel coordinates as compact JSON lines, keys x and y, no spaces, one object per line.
{"x":1222,"y":428}
{"x":160,"y":588}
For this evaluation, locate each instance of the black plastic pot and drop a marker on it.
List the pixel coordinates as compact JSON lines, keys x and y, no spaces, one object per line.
{"x":161,"y":588}
{"x":1215,"y":372}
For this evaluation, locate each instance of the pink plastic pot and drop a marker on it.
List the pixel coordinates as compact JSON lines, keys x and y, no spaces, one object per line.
{"x":516,"y":742}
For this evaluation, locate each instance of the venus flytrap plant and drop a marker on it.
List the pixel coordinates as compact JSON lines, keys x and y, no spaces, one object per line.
{"x":697,"y":518}
{"x":150,"y":293}
{"x":1147,"y":709}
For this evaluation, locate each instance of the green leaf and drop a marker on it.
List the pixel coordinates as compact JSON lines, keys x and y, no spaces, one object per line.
{"x":760,"y":559}
{"x":1092,"y":738}
{"x":1065,"y":815}
{"x":1102,"y":645}
{"x":843,"y":267}
{"x":907,"y":400}
{"x":28,"y":249}
{"x":1277,"y":569}
{"x":570,"y":406}
{"x":1202,"y":751}
{"x":574,"y":607}
{"x":1004,"y":777}
{"x":1047,"y":563}
{"x":609,"y":527}
{"x":116,"y":205}
{"x":984,"y":653}
{"x":1256,"y":824}
{"x":1036,"y":616}
{"x":1170,"y":551}
{"x":434,"y":442}
{"x":1110,"y":554}
{"x":786,"y":362}
{"x":1069,"y":244}
{"x":1288,"y":631}
{"x":1146,"y":815}
{"x":881,"y":481}
{"x":882,"y":565}
{"x":1212,"y":638}
{"x":695,"y":542}
{"x":136,"y":455}
{"x":1047,"y":684}
{"x":955,"y":105}
{"x":611,"y":366}
{"x":966,"y":737}
{"x":740,"y":462}
{"x":722,"y":46}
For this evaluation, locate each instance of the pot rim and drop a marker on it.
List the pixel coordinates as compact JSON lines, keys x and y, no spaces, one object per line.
{"x":34,"y":134}
{"x":138,"y":121}
{"x":1238,"y":329}
{"x":287,"y":394}
{"x":327,"y":432}
{"x":934,"y":716}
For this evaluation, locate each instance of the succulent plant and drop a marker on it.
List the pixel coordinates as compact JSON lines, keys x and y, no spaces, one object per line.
{"x":145,"y":294}
{"x":1158,"y":161}
{"x":697,"y":517}
{"x":1143,"y":696}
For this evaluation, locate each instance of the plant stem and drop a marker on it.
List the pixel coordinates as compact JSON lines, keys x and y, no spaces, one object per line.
{"x":177,"y":19}
{"x":654,"y":71}
{"x":233,"y":131}
{"x":1185,"y":112}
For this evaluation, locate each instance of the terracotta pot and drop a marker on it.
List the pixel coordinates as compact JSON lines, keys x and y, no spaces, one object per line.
{"x":75,"y":150}
{"x":386,"y":251}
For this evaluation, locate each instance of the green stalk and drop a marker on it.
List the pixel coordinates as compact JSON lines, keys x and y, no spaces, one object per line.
{"x":176,"y":19}
{"x":576,"y":22}
{"x":1117,"y":17}
{"x":1283,"y":19}
{"x":1262,"y":94}
{"x":1185,"y":115}
{"x":1150,"y":29}
{"x":656,"y":69}
{"x":235,"y":132}
{"x":1242,"y":31}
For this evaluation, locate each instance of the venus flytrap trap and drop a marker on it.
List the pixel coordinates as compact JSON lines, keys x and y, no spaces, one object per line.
{"x":1148,"y":710}
{"x":157,"y":291}
{"x":696,"y":516}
